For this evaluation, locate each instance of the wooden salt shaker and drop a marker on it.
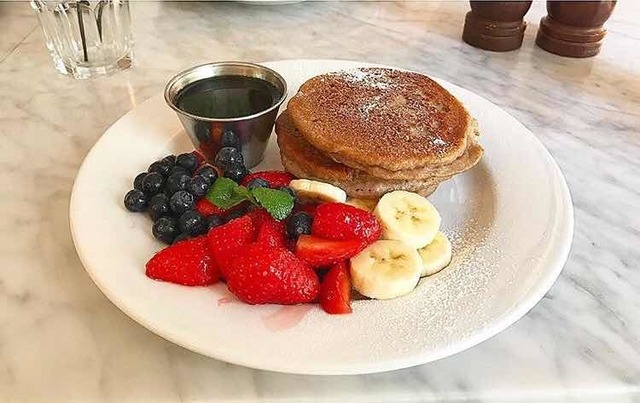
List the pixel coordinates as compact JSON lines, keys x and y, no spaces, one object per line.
{"x":496,"y":25}
{"x":574,"y":28}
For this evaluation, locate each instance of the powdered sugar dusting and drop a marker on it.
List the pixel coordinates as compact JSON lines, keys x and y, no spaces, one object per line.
{"x":367,"y":78}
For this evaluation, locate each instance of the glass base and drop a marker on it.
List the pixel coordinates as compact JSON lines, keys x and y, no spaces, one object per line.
{"x":84,"y":72}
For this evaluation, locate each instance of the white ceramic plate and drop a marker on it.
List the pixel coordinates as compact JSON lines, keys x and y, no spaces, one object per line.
{"x":510,"y":219}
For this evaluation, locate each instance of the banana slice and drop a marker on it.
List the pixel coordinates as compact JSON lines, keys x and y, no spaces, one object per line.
{"x":435,"y":256}
{"x":317,"y":191}
{"x":386,"y":269}
{"x":364,"y":204}
{"x":408,"y":217}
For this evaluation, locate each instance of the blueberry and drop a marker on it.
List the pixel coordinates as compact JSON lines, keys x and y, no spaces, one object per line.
{"x":162,"y":167}
{"x":214,"y":221}
{"x":287,"y":189}
{"x":198,"y":186}
{"x":235,"y":172}
{"x":228,"y":156}
{"x":182,"y":237}
{"x":176,"y":182}
{"x":152,"y":183}
{"x":181,"y":201}
{"x":257,"y":183}
{"x":179,"y":169}
{"x":137,"y":182}
{"x":298,"y":223}
{"x":230,"y":139}
{"x":192,"y":223}
{"x":170,"y":159}
{"x":135,"y":200}
{"x":159,"y":206}
{"x":188,"y":161}
{"x":208,"y":172}
{"x":165,"y":229}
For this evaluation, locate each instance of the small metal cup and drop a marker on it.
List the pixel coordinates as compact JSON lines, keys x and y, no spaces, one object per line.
{"x":253,"y":130}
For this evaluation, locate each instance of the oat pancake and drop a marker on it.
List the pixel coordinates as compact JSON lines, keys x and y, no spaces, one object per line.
{"x":375,"y":118}
{"x":303,"y":160}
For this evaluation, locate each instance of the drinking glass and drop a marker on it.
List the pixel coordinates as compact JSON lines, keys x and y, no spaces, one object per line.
{"x":87,"y":38}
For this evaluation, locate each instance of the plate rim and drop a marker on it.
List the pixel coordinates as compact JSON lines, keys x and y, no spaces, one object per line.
{"x":557,"y":261}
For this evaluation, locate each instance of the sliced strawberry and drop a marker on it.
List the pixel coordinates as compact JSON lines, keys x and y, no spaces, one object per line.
{"x":225,"y":241}
{"x":276,"y":179}
{"x":262,"y":274}
{"x":319,"y":252}
{"x":206,"y":208}
{"x":335,"y":290}
{"x":188,"y":263}
{"x":342,"y":221}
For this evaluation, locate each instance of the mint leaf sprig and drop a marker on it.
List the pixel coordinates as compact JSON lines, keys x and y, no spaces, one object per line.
{"x":225,"y":194}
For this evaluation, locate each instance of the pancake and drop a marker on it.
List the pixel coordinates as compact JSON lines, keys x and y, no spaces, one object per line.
{"x":381,"y":119}
{"x":305,"y":161}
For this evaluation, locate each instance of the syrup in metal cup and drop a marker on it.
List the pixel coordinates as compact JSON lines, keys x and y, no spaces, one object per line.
{"x":237,"y":96}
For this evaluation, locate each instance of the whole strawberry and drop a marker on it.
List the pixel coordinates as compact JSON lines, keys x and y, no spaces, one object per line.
{"x":187,"y":262}
{"x":262,"y":274}
{"x":342,"y":221}
{"x":226,"y":240}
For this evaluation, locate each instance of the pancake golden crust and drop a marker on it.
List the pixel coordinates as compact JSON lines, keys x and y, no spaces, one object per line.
{"x":302,"y":160}
{"x":381,"y":118}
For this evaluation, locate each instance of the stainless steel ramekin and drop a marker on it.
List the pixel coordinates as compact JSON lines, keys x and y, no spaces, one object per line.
{"x":253,"y":130}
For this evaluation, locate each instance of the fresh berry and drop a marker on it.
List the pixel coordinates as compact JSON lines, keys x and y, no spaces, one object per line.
{"x":299,"y":224}
{"x":171,"y":159}
{"x":262,"y":274}
{"x":162,"y":167}
{"x":335,"y":290}
{"x":257,"y":183}
{"x":271,"y":232}
{"x":181,"y":201}
{"x":137,"y":182}
{"x":213,"y":221}
{"x":176,"y":182}
{"x":135,"y":200}
{"x":188,"y":161}
{"x":258,"y":216}
{"x":182,"y":237}
{"x":165,"y":229}
{"x":226,"y":240}
{"x":275,"y":179}
{"x":235,"y":212}
{"x":288,"y":190}
{"x":187,"y":263}
{"x":309,"y":208}
{"x":159,"y":206}
{"x":152,"y":183}
{"x":198,"y":186}
{"x":319,"y":252}
{"x":342,"y":221}
{"x":199,"y":158}
{"x":206,"y":208}
{"x":235,"y":172}
{"x":230,"y":139}
{"x":192,"y":223}
{"x":228,"y":156}
{"x":177,"y":169}
{"x":208,"y":172}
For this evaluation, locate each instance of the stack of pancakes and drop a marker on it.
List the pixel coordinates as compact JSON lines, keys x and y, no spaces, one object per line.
{"x":371,"y":131}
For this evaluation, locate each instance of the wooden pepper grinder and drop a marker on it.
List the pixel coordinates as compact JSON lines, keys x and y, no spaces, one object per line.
{"x":574,"y":28}
{"x":496,"y":25}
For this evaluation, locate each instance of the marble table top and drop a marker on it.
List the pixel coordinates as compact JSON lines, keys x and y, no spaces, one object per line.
{"x":61,"y":340}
